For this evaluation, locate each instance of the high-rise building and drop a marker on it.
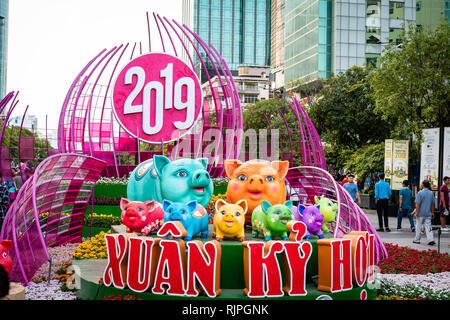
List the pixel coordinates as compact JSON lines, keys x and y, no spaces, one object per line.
{"x":3,"y":44}
{"x":428,"y":12}
{"x":277,"y":43}
{"x":29,"y":122}
{"x":330,"y":36}
{"x":238,"y":29}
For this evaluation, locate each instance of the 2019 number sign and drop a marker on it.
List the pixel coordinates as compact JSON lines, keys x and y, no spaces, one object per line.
{"x":157,"y":97}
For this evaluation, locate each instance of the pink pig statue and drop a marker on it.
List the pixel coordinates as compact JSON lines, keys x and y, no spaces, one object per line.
{"x":142,"y":217}
{"x":5,"y":258}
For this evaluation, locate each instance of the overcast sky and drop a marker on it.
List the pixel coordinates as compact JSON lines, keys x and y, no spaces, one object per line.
{"x":50,"y":41}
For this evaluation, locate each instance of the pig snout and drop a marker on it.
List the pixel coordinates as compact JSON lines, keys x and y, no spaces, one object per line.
{"x":200,"y":178}
{"x":256,"y":185}
{"x":132,"y":215}
{"x":175,"y":216}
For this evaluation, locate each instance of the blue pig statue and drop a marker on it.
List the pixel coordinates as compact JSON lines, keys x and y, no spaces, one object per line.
{"x":193,"y":217}
{"x":182,"y":180}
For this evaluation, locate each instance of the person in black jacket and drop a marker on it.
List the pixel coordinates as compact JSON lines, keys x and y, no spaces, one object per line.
{"x":4,"y":198}
{"x":4,"y":283}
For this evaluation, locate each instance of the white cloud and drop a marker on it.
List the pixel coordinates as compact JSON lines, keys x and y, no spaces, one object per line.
{"x":50,"y":41}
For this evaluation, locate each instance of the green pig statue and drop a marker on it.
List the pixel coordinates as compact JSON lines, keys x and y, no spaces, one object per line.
{"x":270,"y":221}
{"x":328,"y":208}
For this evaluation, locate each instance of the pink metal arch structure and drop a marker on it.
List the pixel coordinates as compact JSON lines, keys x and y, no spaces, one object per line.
{"x":300,"y":144}
{"x":17,"y":146}
{"x":60,"y":186}
{"x":307,"y":182}
{"x":87,"y":125}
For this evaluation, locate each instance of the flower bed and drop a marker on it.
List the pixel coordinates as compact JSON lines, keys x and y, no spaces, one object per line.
{"x":98,"y":220}
{"x":383,"y":297}
{"x":409,"y":274}
{"x":45,"y":291}
{"x":95,"y":248}
{"x":120,"y":181}
{"x":101,"y":220}
{"x":431,"y":286}
{"x":60,"y":256}
{"x":410,"y":261}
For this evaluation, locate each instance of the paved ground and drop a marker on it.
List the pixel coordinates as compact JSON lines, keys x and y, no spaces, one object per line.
{"x":405,"y":237}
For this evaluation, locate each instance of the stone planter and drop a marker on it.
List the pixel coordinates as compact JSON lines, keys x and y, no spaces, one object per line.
{"x":367,"y":201}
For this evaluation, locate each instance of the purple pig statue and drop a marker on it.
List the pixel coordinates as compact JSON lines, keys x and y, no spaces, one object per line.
{"x":311,"y":217}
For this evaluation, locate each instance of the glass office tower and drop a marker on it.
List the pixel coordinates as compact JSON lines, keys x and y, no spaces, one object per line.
{"x":308,"y":39}
{"x":428,"y":12}
{"x":238,"y":29}
{"x":330,"y":36}
{"x":3,"y":45}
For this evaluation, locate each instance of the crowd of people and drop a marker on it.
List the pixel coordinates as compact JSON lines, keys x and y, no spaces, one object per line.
{"x":422,"y":210}
{"x":8,"y":193}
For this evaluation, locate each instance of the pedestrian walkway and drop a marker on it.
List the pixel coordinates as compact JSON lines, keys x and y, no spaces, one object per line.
{"x":405,"y":237}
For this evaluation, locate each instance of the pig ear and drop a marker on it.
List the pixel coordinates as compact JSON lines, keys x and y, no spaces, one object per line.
{"x":166,"y":204}
{"x":150,"y":205}
{"x":124,"y":202}
{"x":265,"y":205}
{"x":281,"y":167}
{"x":316,"y":199}
{"x":288,"y":204}
{"x":160,"y":162}
{"x":220,"y":203}
{"x":243,"y":203}
{"x":204,"y":162}
{"x":300,"y":209}
{"x":231,"y":166}
{"x":192,"y":206}
{"x":7,"y":244}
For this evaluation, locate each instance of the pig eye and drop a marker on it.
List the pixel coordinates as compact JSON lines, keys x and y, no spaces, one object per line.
{"x":237,"y":214}
{"x":270,"y":178}
{"x":4,"y":255}
{"x":181,"y":174}
{"x":242,"y":177}
{"x":140,"y":209}
{"x":183,"y":211}
{"x":170,"y":210}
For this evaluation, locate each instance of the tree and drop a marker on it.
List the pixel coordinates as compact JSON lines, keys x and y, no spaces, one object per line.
{"x":254,"y":117}
{"x":344,"y":115}
{"x":255,"y":114}
{"x":11,"y":139}
{"x":412,"y":83}
{"x":366,"y":160}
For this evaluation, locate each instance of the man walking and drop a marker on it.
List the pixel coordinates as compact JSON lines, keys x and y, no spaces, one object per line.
{"x":352,"y":188}
{"x":444,"y":204}
{"x":425,"y":212}
{"x":382,"y":195}
{"x":404,"y":206}
{"x":345,"y":179}
{"x":4,"y":198}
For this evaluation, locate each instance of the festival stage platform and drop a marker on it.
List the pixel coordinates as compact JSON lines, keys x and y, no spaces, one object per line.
{"x":232,"y":280}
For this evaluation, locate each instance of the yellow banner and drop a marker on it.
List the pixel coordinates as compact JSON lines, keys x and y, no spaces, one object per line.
{"x":388,"y":158}
{"x":400,"y":156}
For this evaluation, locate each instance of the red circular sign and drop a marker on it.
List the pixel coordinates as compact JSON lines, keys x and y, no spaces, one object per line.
{"x":157,"y":97}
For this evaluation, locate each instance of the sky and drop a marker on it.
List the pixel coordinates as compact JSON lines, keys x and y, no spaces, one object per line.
{"x":50,"y":41}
